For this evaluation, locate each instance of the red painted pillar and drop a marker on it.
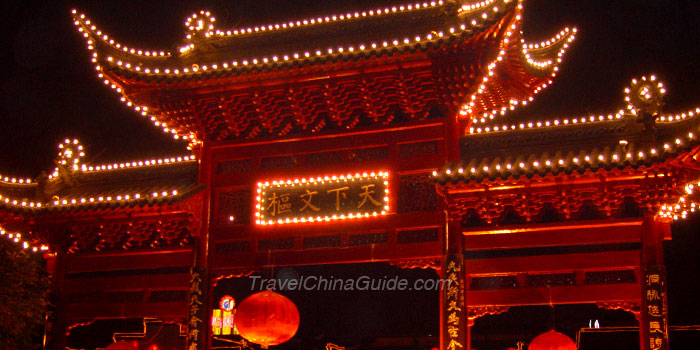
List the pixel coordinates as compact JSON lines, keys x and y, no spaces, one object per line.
{"x":453,"y":306}
{"x":57,"y":323}
{"x":453,"y":133}
{"x":653,"y":326}
{"x":199,"y":302}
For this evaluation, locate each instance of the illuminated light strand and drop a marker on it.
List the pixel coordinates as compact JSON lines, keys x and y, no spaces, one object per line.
{"x":538,"y":124}
{"x":670,"y":118}
{"x":322,"y":19}
{"x":477,"y":5}
{"x":593,"y":118}
{"x":203,"y":22}
{"x":431,"y":36}
{"x":683,"y":205}
{"x":559,"y":163}
{"x":112,"y":198}
{"x":259,"y":201}
{"x":87,"y":200}
{"x":530,"y":49}
{"x":14,"y":180}
{"x":340,"y":50}
{"x":195,"y":68}
{"x":70,"y":154}
{"x":643,"y":91}
{"x":20,"y":203}
{"x":142,"y":110}
{"x":138,"y":164}
{"x":67,"y":153}
{"x":468,"y":108}
{"x":567,"y":35}
{"x":26,"y":245}
{"x":109,"y":41}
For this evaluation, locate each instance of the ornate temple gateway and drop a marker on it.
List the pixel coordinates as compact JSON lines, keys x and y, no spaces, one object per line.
{"x":367,"y":136}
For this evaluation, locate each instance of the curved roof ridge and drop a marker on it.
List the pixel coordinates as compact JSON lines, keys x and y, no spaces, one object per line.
{"x":157,"y":63}
{"x":138,"y":163}
{"x":547,"y":53}
{"x":86,"y":27}
{"x":317,"y":20}
{"x":18,"y":238}
{"x":81,"y":19}
{"x":537,"y":63}
{"x":27,"y":201}
{"x":14,"y":180}
{"x":677,"y":117}
{"x":537,"y":124}
{"x":493,"y":127}
{"x":117,"y":68}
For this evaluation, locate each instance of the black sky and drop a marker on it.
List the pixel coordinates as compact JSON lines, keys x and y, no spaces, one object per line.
{"x":49,"y":90}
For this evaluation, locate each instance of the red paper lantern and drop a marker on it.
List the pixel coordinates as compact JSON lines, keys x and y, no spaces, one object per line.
{"x":267,"y":318}
{"x":552,"y":340}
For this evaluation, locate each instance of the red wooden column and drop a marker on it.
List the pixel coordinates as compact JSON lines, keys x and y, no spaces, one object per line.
{"x":453,"y":306}
{"x":653,"y":326}
{"x":199,"y":302}
{"x":57,"y":321}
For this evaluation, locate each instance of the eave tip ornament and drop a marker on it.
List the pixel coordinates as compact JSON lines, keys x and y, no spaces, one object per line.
{"x":70,"y":153}
{"x":200,"y":27}
{"x":644,"y":97}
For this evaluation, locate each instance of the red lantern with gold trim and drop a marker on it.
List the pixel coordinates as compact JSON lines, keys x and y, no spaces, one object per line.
{"x":267,"y":318}
{"x":552,"y":340}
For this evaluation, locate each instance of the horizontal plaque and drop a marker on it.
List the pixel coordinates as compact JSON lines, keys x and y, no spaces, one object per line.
{"x":322,"y":198}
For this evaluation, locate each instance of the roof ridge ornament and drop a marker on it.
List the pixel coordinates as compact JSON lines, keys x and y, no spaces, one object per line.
{"x":644,"y":98}
{"x":69,"y":156}
{"x":200,"y":27}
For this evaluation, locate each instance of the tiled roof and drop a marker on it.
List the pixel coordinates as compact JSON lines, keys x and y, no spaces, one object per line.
{"x":212,"y":51}
{"x":160,"y":184}
{"x":619,"y":143}
{"x":72,"y":190}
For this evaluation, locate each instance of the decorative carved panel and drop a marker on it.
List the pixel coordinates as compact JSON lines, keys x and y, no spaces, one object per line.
{"x":417,"y":193}
{"x":347,"y":156}
{"x":621,"y":305}
{"x":608,"y":277}
{"x":551,"y":280}
{"x":279,"y":162}
{"x":417,"y":264}
{"x":232,"y":247}
{"x":234,"y":205}
{"x":160,"y":296}
{"x":492,"y":283}
{"x":417,"y":149}
{"x":276,"y":244}
{"x":131,"y":234}
{"x":321,"y":241}
{"x":599,"y":201}
{"x":101,"y":296}
{"x":234,"y":166}
{"x":415,"y":236}
{"x":368,"y":238}
{"x":477,"y":312}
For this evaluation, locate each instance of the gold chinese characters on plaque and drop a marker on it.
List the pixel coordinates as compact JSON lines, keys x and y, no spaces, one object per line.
{"x":322,"y":198}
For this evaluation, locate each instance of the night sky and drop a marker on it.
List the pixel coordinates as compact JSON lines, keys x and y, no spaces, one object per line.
{"x":49,"y":89}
